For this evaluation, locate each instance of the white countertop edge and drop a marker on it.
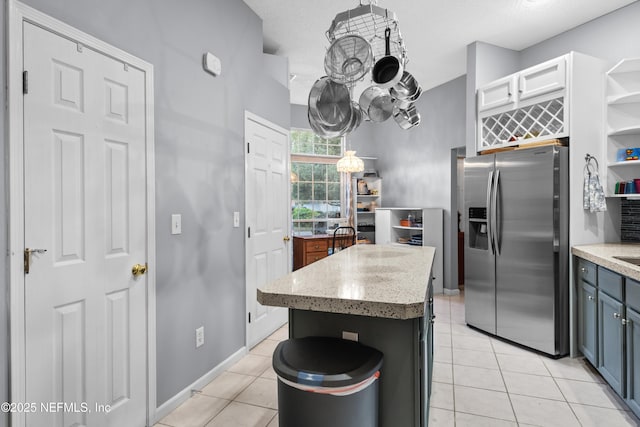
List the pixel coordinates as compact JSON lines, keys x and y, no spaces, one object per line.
{"x":603,"y":254}
{"x":340,"y":306}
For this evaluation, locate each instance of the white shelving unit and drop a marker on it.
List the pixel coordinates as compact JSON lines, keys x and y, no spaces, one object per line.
{"x":428,"y":224}
{"x":365,"y":206}
{"x":623,"y":123}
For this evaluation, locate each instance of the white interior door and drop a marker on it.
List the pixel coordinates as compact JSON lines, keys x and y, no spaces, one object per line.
{"x":267,"y":220}
{"x":85,"y":204}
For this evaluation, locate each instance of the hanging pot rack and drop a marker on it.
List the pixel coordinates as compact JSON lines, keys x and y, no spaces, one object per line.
{"x":352,"y":33}
{"x":369,"y":21}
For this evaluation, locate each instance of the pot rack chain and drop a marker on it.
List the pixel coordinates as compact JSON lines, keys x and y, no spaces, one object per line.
{"x":369,"y":21}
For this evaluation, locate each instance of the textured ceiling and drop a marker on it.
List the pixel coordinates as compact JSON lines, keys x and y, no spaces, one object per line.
{"x":436,"y":33}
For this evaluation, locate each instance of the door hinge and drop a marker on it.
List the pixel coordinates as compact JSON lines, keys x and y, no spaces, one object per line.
{"x":249,"y":232}
{"x":25,"y":82}
{"x":249,"y":317}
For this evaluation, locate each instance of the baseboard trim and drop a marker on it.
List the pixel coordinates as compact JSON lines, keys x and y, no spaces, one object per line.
{"x":182,"y":396}
{"x":451,"y":291}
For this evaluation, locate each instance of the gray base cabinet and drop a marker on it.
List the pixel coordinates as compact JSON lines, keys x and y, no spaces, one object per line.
{"x":609,"y":328}
{"x":588,"y":322}
{"x":611,"y":337}
{"x":633,"y":360}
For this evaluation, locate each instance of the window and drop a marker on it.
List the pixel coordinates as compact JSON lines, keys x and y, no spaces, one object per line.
{"x":316,"y":196}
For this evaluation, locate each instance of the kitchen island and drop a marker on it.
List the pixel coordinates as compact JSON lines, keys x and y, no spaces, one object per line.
{"x":383,"y":294}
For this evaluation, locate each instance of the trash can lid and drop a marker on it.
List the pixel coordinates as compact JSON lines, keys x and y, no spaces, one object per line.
{"x":325,"y":361}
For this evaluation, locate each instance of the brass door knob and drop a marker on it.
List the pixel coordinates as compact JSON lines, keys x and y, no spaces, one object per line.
{"x":286,"y":238}
{"x":139,"y":269}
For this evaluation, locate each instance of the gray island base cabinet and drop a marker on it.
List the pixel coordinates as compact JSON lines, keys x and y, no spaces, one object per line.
{"x":383,"y":293}
{"x":403,"y":377}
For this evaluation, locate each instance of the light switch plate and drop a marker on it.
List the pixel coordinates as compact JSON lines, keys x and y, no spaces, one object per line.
{"x":200,"y":336}
{"x":176,"y":224}
{"x":236,"y":219}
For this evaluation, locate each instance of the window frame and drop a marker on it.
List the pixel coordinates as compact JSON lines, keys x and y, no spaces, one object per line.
{"x":317,"y":159}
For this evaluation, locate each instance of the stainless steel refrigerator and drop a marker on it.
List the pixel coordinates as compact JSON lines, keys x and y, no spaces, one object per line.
{"x":516,"y":246}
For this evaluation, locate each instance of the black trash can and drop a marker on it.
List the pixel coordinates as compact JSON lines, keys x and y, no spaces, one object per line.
{"x":327,"y":382}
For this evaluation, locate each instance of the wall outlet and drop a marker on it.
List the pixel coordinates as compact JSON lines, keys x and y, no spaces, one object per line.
{"x":351,"y":336}
{"x":200,"y":336}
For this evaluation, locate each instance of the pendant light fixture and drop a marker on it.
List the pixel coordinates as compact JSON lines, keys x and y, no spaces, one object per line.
{"x":350,"y":163}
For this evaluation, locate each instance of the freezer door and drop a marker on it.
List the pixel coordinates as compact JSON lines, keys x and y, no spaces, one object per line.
{"x":479,"y":269}
{"x":527,"y":246}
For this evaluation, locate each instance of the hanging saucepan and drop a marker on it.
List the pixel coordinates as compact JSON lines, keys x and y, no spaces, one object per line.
{"x":376,"y":103}
{"x":348,"y":59}
{"x":330,"y":103}
{"x":407,"y":89}
{"x":406,"y":118}
{"x":387,"y":71}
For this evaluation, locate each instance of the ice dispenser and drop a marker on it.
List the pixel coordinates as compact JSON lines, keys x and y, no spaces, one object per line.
{"x":478,"y":228}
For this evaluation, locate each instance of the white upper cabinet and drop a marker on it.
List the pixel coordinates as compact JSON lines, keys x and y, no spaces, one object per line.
{"x":540,"y":103}
{"x":497,"y":94}
{"x":547,"y":77}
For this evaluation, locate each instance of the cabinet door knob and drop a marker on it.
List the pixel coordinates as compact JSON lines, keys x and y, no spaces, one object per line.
{"x":584,"y":270}
{"x":616,"y":315}
{"x":590,"y":297}
{"x":625,"y":321}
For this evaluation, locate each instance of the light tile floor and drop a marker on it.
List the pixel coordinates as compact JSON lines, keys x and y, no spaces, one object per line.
{"x":477,"y":381}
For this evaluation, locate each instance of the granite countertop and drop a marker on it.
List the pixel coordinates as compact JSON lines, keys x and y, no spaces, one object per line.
{"x":603,"y":254}
{"x":389,"y":281}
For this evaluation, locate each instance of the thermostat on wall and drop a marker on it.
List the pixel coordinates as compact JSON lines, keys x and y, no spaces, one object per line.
{"x":211,"y":64}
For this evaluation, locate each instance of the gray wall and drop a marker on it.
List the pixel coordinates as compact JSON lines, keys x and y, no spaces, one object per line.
{"x":4,"y":265}
{"x":415,"y":165}
{"x":199,"y":131}
{"x":613,"y":36}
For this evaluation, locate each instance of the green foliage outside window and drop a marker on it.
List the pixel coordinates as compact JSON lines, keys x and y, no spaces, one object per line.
{"x":315,"y":186}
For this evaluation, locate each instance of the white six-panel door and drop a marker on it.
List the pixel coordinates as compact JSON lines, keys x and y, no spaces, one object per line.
{"x":85,"y":204}
{"x":268,"y":212}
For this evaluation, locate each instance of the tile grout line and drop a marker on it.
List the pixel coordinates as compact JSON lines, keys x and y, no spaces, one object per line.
{"x":453,"y":374}
{"x":515,"y":416}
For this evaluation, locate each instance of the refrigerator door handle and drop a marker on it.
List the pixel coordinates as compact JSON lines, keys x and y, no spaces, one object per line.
{"x":556,"y":201}
{"x":496,"y":217}
{"x":489,"y":213}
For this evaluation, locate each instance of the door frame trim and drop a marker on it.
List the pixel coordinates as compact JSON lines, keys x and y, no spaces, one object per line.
{"x":16,"y":14}
{"x":249,"y":116}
